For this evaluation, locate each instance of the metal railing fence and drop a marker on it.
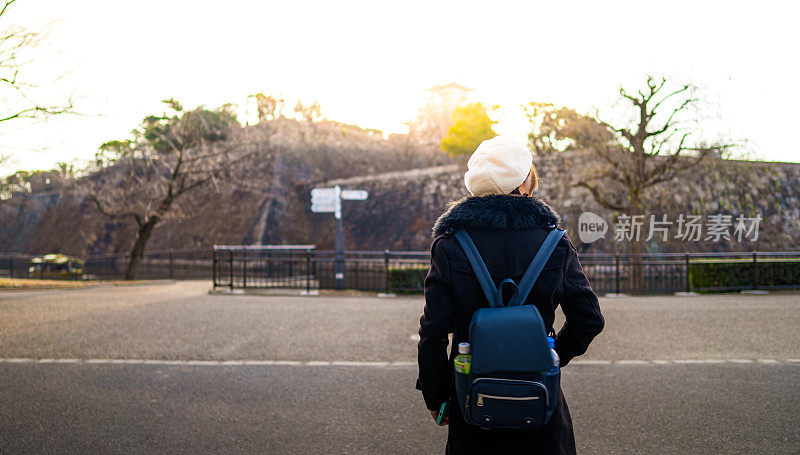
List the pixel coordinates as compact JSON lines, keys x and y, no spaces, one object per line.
{"x":305,"y":267}
{"x":13,"y":265}
{"x":693,"y":272}
{"x":404,"y":271}
{"x":160,"y":264}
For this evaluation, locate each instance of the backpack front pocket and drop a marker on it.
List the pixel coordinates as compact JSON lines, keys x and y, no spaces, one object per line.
{"x":507,"y":403}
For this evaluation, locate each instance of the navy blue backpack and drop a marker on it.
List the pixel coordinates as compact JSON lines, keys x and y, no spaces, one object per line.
{"x":513,"y":382}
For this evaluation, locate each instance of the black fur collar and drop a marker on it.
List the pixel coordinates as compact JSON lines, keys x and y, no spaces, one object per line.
{"x":496,"y":211}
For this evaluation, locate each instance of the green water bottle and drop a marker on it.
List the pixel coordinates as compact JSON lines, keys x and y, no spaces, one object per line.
{"x":463,"y":360}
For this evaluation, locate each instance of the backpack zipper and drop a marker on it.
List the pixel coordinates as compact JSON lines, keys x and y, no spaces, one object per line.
{"x":481,"y":396}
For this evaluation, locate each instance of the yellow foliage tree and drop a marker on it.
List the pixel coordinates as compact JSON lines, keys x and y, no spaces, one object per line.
{"x":471,"y":126}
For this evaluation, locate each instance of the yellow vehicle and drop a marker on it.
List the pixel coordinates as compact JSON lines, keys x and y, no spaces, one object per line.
{"x":56,"y":266}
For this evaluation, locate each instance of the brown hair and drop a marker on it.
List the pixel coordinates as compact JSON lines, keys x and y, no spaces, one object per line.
{"x":534,"y":177}
{"x":534,"y":180}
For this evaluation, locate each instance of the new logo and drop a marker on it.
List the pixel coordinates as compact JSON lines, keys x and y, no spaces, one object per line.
{"x":591,"y":227}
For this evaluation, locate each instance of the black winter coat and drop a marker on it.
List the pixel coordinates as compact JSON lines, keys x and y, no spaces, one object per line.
{"x":507,"y":230}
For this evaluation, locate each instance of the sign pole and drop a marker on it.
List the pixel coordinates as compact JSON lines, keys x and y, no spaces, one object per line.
{"x":339,"y":265}
{"x":329,"y":200}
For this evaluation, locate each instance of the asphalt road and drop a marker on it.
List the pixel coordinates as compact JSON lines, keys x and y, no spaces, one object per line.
{"x":709,"y":374}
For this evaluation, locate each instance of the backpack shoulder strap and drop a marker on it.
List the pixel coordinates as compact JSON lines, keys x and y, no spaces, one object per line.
{"x":478,"y":266}
{"x":538,"y":262}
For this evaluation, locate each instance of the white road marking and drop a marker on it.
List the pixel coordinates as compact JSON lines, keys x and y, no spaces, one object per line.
{"x":699,"y":361}
{"x":19,"y":360}
{"x":359,"y":364}
{"x":356,"y":363}
{"x":590,"y":362}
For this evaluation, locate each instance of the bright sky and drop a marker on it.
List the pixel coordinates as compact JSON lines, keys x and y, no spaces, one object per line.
{"x":369,"y":63}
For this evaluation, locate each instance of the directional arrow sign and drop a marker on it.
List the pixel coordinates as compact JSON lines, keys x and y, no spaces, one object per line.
{"x":354,"y":195}
{"x":323,"y":200}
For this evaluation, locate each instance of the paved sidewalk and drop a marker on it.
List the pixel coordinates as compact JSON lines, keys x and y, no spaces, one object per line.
{"x":285,"y":409}
{"x":180,"y":321}
{"x":168,"y":368}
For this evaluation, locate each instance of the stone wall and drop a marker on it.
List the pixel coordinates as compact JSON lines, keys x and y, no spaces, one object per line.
{"x":402,"y":206}
{"x":400,"y":211}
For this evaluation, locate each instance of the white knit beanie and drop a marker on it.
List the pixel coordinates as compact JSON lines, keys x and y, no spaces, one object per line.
{"x":498,"y":166}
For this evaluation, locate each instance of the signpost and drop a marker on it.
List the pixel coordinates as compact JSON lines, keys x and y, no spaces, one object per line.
{"x":323,"y":200}
{"x":329,"y":200}
{"x":354,"y":195}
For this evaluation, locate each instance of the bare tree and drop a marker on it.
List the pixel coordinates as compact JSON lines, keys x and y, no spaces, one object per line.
{"x":625,"y":162}
{"x":15,"y":42}
{"x":269,"y":107}
{"x":16,"y":92}
{"x":308,"y":113}
{"x":170,"y":156}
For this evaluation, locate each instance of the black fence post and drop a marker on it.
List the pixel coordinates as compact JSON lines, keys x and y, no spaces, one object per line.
{"x":214,"y":266}
{"x":171,"y":273}
{"x":314,"y":267}
{"x":269,"y":266}
{"x":386,"y":256}
{"x":755,"y":270}
{"x":688,"y":282}
{"x":230,"y":267}
{"x":244,"y":268}
{"x":11,"y":266}
{"x":308,"y":271}
{"x":616,"y":271}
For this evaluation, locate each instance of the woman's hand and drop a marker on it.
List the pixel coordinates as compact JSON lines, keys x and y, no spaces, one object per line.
{"x":446,"y":420}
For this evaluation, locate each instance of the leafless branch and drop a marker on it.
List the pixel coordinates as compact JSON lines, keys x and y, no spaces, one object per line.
{"x":13,"y":44}
{"x":5,"y":6}
{"x":668,"y":123}
{"x":601,"y":198}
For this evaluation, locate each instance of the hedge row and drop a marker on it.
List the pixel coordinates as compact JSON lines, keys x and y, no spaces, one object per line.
{"x":407,"y":279}
{"x":702,"y":275}
{"x":740,"y":275}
